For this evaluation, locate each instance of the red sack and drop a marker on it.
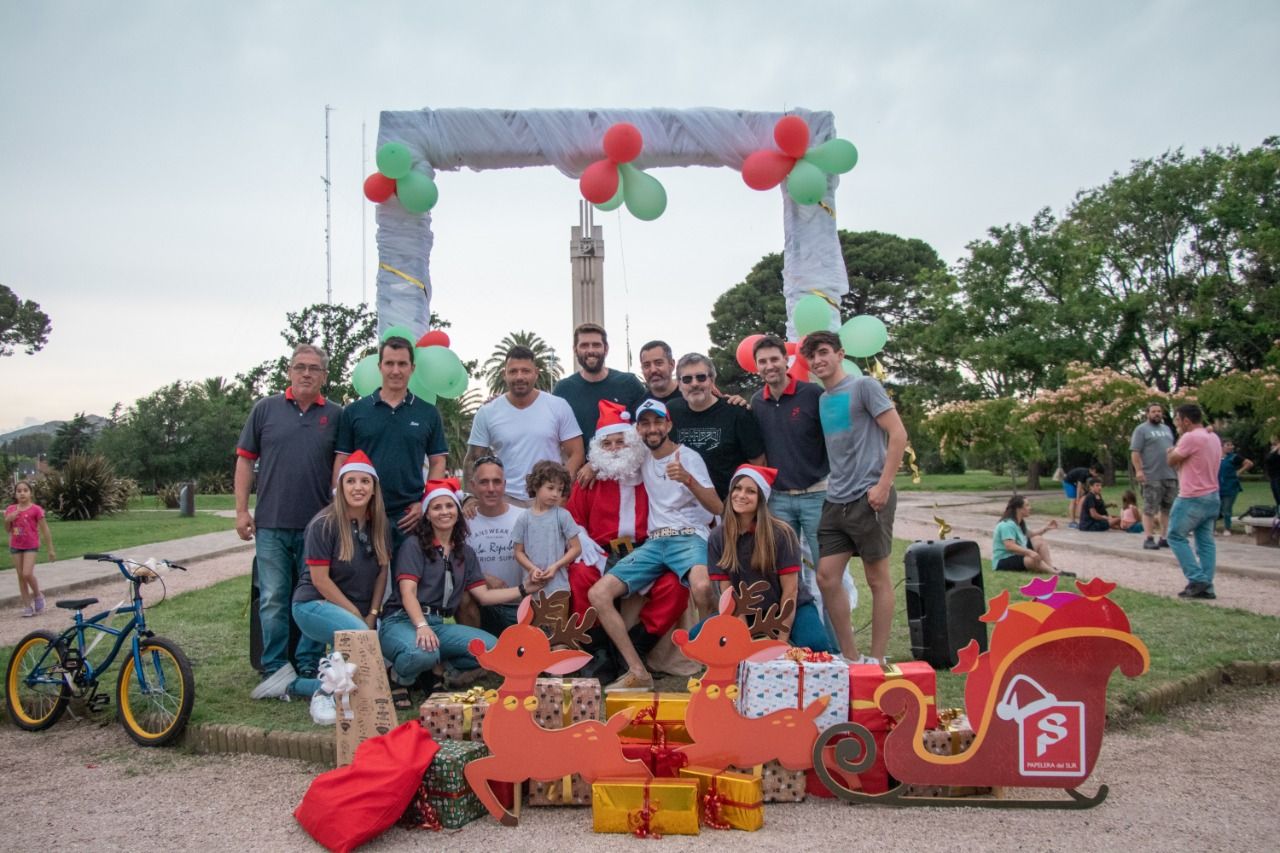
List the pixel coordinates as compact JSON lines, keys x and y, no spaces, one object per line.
{"x":348,"y":806}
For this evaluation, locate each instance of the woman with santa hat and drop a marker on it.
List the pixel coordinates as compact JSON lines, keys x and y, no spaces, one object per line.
{"x":751,"y":545}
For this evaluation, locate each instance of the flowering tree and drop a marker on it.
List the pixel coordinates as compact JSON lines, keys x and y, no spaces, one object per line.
{"x":1254,"y":393}
{"x":995,"y":428}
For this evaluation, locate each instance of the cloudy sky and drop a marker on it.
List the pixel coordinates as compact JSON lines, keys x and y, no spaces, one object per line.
{"x":161,"y":163}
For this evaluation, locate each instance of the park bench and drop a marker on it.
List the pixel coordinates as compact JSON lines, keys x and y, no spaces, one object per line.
{"x":1262,"y":530}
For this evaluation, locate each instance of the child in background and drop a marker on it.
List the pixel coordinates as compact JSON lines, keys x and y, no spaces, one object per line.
{"x":546,"y":536}
{"x":1130,"y":517}
{"x":1093,"y":512}
{"x":25,"y":524}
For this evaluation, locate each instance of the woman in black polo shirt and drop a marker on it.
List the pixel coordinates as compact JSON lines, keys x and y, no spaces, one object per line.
{"x":433,"y":568}
{"x":348,"y":552}
{"x":751,"y":545}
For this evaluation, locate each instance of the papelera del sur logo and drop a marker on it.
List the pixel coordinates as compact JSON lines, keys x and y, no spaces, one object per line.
{"x":1050,"y":731}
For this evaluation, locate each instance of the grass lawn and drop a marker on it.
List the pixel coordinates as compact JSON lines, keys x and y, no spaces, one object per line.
{"x":202,"y":502}
{"x":1184,"y":638}
{"x":1255,"y":492}
{"x":123,"y":530}
{"x":970,"y":481}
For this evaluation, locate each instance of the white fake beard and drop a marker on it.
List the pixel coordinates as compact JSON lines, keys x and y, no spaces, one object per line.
{"x":622,"y":465}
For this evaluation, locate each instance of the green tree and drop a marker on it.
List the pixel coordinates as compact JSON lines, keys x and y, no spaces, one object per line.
{"x":545,"y":359}
{"x":344,"y":332}
{"x":753,"y":306}
{"x":22,"y":324}
{"x":73,"y":437}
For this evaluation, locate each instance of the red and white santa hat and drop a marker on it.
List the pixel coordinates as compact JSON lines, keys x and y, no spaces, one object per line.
{"x":762,"y":476}
{"x":435,"y":488}
{"x":614,"y":417}
{"x":357,"y":461}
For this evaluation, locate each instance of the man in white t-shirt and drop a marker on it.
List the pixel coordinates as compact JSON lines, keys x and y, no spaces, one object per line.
{"x":489,"y":535}
{"x":682,"y":504}
{"x":525,"y":426}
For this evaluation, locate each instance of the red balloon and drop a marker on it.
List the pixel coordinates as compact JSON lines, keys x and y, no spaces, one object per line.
{"x":622,"y":143}
{"x":792,"y":135}
{"x":764,"y":170}
{"x":792,"y":348}
{"x":378,"y":187}
{"x":746,"y":358}
{"x":799,"y":369}
{"x":599,"y":182}
{"x":434,"y":338}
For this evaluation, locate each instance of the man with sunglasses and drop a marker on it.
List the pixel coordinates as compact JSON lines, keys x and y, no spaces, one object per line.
{"x":724,"y":435}
{"x":290,"y":437}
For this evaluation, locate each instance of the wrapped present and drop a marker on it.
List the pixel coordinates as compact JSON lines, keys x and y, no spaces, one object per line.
{"x":445,"y":799}
{"x":563,"y":702}
{"x":668,"y":709}
{"x":794,"y":681}
{"x":778,"y":784}
{"x":455,"y":716}
{"x":648,"y":808}
{"x":952,"y":737}
{"x":729,"y":800}
{"x":866,"y":678}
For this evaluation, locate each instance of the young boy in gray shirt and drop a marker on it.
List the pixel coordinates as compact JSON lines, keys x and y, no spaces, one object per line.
{"x":546,"y":536}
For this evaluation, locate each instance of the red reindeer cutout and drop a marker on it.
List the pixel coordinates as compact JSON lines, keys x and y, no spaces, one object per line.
{"x":721,"y":735}
{"x":520,"y":748}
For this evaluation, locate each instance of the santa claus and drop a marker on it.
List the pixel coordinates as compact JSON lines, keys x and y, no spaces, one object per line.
{"x":613,"y":513}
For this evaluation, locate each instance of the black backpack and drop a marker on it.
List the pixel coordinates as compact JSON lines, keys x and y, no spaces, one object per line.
{"x":1260,"y":511}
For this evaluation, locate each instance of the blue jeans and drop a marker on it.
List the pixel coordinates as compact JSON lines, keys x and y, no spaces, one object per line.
{"x":803,"y":513}
{"x":807,"y":630}
{"x":398,"y":638}
{"x":1228,"y":505}
{"x":318,"y":620}
{"x":1195,"y":516}
{"x":280,"y":560}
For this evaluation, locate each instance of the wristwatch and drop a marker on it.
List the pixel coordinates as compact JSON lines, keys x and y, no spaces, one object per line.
{"x":374,"y":612}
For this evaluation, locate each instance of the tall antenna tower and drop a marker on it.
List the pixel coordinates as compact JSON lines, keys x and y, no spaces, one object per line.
{"x":328,"y":215}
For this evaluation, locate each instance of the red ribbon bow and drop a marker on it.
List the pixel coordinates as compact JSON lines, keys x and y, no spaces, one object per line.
{"x":659,"y":752}
{"x":713,"y":801}
{"x":641,"y":820}
{"x":421,"y":814}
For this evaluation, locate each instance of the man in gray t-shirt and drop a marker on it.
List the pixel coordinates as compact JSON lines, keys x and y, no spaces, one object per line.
{"x":1148,"y":451}
{"x":865,"y":441}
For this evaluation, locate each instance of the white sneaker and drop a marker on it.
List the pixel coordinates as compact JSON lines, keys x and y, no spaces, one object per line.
{"x":870,"y":659}
{"x":324,"y":711}
{"x":1226,"y":532}
{"x":275,"y":685}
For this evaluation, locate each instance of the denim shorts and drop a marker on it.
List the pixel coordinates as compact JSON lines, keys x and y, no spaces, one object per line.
{"x":646,"y":564}
{"x":13,"y":550}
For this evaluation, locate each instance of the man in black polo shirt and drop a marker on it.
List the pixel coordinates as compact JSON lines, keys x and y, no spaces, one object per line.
{"x":291,"y":437}
{"x":724,"y":435}
{"x":398,"y":431}
{"x":594,"y":382}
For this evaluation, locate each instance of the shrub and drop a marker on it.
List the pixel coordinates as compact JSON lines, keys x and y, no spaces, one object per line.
{"x":215,"y":483}
{"x":168,"y":495}
{"x":85,"y":488}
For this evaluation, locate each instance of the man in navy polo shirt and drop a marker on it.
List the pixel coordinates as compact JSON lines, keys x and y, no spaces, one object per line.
{"x":398,"y":431}
{"x":291,"y":437}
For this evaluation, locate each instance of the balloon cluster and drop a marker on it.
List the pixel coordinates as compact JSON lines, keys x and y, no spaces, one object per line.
{"x":862,"y":336}
{"x":805,"y":169}
{"x":609,"y":182}
{"x":416,"y":191}
{"x":437,"y":371}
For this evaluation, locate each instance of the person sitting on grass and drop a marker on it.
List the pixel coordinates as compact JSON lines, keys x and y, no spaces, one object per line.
{"x":1093,"y":512}
{"x":1130,"y":515}
{"x":433,"y":569}
{"x":546,"y":536}
{"x":1015,"y":549}
{"x":347,"y":555}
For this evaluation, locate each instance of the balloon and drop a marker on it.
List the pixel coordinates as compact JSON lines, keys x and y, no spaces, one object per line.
{"x":365,"y":377}
{"x":396,"y":332}
{"x":835,"y":156}
{"x":599,"y":182}
{"x":615,"y":202}
{"x":645,"y":197}
{"x":378,"y":188}
{"x":394,"y":160}
{"x":623,"y":142}
{"x":746,"y":358}
{"x":863,"y":336}
{"x":792,"y":135}
{"x":792,"y":348}
{"x":850,"y":368}
{"x":764,"y":170}
{"x":442,"y":371}
{"x":806,"y":184}
{"x":812,"y":314}
{"x":434,"y":338}
{"x":418,"y":386}
{"x":417,"y":192}
{"x":799,"y":369}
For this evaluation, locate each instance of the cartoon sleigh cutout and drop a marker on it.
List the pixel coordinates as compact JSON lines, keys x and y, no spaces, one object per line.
{"x":1036,"y":699}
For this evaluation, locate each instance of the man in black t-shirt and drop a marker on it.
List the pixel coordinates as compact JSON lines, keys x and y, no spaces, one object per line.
{"x":658,"y":367}
{"x":724,"y":435}
{"x":594,"y":382}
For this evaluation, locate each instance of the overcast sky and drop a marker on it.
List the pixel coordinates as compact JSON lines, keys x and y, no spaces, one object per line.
{"x":161,"y":163}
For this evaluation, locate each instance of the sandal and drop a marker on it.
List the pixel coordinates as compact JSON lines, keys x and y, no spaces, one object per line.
{"x":400,"y":697}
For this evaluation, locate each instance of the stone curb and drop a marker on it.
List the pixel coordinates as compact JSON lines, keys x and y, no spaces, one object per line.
{"x":1201,"y":685}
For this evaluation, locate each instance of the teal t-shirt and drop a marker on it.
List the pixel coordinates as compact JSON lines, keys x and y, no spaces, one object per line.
{"x":1006,"y":529}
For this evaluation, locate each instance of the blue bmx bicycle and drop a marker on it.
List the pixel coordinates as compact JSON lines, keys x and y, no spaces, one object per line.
{"x":155,"y":688}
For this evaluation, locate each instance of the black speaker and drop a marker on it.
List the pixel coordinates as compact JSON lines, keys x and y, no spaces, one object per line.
{"x":944,"y":600}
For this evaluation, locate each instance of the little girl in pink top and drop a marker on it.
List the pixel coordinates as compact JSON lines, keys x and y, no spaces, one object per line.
{"x":25,"y":524}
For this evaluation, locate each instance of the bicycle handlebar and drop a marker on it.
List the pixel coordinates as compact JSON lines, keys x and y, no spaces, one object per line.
{"x":149,"y":566}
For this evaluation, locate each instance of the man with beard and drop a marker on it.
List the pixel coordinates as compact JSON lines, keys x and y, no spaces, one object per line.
{"x":594,"y":382}
{"x":682,"y":503}
{"x":1149,"y":449}
{"x":658,"y":366}
{"x":725,"y":435}
{"x":613,"y":511}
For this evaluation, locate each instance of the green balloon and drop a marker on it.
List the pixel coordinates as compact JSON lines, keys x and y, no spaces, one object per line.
{"x":645,"y":197}
{"x":812,"y":314}
{"x":417,"y":192}
{"x":394,"y":160}
{"x":418,"y":385}
{"x":863,"y":336}
{"x":613,"y":203}
{"x":366,"y":378}
{"x":851,"y":369}
{"x":835,"y":156}
{"x":806,"y":184}
{"x":398,"y":332}
{"x":442,"y":371}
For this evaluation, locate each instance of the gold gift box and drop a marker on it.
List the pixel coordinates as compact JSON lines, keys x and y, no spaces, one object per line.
{"x":617,"y":805}
{"x":742,"y":803}
{"x":668,"y":709}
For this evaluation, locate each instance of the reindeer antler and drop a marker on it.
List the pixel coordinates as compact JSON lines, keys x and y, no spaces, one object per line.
{"x":773,"y":621}
{"x":746,"y":599}
{"x":572,"y":632}
{"x":550,"y":610}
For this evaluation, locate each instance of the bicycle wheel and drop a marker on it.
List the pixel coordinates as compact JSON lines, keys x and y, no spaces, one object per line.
{"x":155,"y":701}
{"x":35,"y":691}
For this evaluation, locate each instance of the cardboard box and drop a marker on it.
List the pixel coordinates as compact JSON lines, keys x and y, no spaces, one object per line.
{"x":372,"y":710}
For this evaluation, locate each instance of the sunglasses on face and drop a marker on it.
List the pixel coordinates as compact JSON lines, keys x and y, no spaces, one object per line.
{"x":363,"y":537}
{"x":690,"y":378}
